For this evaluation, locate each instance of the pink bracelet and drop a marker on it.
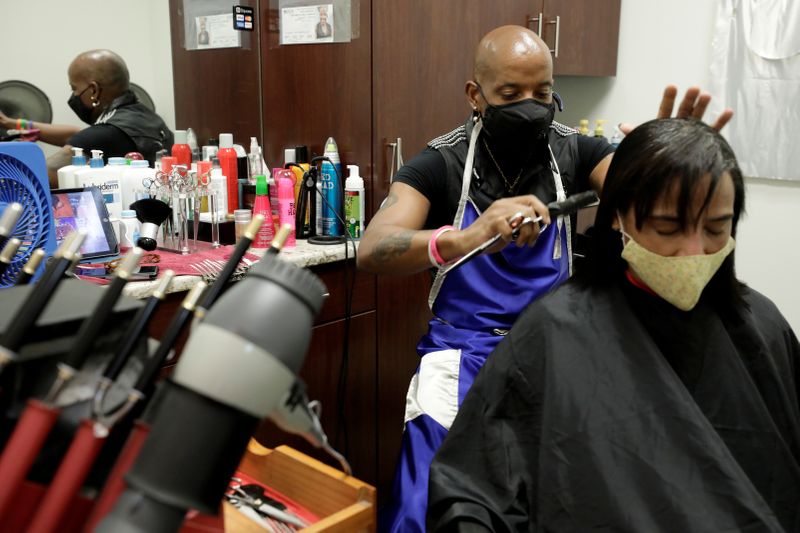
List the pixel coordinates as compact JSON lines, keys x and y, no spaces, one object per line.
{"x":435,"y":257}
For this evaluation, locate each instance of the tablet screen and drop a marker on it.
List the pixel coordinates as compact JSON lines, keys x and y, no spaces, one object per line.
{"x":85,"y":209}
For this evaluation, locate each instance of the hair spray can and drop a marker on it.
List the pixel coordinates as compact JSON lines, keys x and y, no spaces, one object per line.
{"x":331,"y":190}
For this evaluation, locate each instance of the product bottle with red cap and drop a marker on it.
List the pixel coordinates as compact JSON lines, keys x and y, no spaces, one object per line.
{"x":228,"y":162}
{"x":181,"y":150}
{"x":167,"y":162}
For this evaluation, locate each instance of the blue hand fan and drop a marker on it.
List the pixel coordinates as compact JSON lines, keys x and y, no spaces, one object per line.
{"x":23,"y":179}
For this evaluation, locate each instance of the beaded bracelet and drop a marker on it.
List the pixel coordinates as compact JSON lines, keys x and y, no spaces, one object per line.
{"x":434,"y":256}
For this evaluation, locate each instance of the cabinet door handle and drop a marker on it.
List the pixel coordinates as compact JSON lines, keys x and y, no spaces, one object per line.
{"x":396,"y":158}
{"x":557,"y":22}
{"x":537,"y":20}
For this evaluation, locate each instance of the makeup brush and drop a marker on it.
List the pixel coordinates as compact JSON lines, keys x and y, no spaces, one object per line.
{"x":151,"y":213}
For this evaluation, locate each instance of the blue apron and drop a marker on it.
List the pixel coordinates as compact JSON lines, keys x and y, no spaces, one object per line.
{"x":473,"y":307}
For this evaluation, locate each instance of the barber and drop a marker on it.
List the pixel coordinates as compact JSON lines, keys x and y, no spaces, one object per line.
{"x":510,"y":158}
{"x":101,"y":97}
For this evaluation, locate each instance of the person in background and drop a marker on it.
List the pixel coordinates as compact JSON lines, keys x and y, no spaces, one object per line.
{"x":101,"y":97}
{"x":654,"y":391}
{"x":202,"y":34}
{"x":323,"y":29}
{"x":506,"y":162}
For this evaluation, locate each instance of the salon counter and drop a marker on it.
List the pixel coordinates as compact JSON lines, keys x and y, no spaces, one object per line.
{"x":303,"y":255}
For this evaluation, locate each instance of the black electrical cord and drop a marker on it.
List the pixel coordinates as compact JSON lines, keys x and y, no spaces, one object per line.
{"x":341,"y":387}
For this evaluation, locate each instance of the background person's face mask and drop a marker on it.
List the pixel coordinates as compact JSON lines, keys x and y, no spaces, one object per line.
{"x":680,"y":280}
{"x":79,"y":108}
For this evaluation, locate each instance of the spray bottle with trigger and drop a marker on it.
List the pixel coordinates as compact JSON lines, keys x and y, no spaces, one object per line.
{"x":255,"y":162}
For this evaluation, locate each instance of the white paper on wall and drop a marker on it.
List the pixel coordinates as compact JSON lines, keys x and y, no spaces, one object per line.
{"x":317,"y":21}
{"x":755,"y":70}
{"x":307,"y":24}
{"x":216,"y":31}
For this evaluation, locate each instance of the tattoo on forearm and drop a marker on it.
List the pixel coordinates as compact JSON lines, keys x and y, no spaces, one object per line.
{"x":393,"y":246}
{"x":389,"y":201}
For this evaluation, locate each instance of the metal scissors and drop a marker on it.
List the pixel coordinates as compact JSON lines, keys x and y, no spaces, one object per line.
{"x":491,"y":242}
{"x":150,"y":183}
{"x":564,"y":207}
{"x":264,"y":505}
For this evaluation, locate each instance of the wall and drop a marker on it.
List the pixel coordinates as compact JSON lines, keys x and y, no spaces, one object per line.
{"x":43,"y":36}
{"x":659,"y":46}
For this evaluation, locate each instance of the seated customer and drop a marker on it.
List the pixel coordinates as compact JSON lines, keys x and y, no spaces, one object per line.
{"x":654,"y":392}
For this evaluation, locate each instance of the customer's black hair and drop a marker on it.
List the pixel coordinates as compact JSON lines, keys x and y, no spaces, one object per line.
{"x":654,"y":159}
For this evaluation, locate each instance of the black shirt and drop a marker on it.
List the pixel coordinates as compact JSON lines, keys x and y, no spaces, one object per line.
{"x":110,"y":139}
{"x":427,"y":173}
{"x":126,"y":126}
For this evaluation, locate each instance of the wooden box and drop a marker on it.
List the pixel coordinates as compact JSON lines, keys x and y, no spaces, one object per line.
{"x":343,"y":503}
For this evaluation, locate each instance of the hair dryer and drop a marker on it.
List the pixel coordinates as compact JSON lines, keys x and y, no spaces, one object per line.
{"x":237,"y":368}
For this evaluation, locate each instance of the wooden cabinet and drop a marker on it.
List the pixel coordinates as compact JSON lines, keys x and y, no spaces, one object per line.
{"x":351,"y":428}
{"x":338,"y":378}
{"x":216,"y":90}
{"x":314,"y":91}
{"x":422,"y":58}
{"x":582,"y":35}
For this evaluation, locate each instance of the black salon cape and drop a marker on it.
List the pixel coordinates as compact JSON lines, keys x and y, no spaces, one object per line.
{"x":579,"y":423}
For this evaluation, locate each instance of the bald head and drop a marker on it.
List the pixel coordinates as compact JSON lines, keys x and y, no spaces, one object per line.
{"x":507,"y":46}
{"x":103,"y":67}
{"x":511,"y":63}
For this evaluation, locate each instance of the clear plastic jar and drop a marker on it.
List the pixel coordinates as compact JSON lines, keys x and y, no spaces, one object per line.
{"x":241,"y":218}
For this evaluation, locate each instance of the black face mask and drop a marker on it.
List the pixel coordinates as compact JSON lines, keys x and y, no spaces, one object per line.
{"x":518,"y":127}
{"x":84,"y":113}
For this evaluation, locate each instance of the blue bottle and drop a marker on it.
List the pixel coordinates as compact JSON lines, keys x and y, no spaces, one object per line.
{"x":331,"y":187}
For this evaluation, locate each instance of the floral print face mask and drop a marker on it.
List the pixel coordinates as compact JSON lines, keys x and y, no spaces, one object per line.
{"x":680,"y":280}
